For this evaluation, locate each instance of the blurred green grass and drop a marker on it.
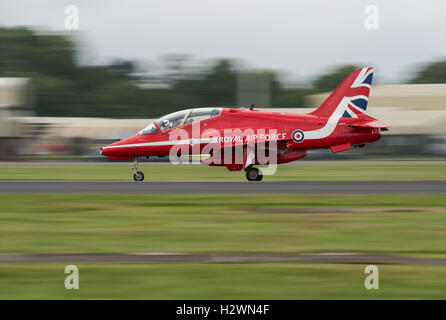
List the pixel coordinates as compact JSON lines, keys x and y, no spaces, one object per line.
{"x":221,"y":281}
{"x":221,"y":223}
{"x":322,"y":172}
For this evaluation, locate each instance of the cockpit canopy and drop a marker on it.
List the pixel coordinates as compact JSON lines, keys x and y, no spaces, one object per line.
{"x":180,"y":118}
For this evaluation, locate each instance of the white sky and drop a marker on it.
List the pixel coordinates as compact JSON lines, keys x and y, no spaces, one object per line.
{"x":301,"y":38}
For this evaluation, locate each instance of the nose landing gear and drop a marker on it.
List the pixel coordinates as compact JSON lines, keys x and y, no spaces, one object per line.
{"x":253,"y":174}
{"x":137,"y":175}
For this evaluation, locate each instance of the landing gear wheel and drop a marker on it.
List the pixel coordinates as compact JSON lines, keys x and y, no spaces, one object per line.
{"x":138,"y":176}
{"x":254,"y":174}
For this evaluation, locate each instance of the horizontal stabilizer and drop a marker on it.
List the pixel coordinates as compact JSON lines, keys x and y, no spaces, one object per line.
{"x":372,"y":123}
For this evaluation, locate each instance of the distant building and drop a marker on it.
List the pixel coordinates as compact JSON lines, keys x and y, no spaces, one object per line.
{"x":16,"y":100}
{"x":16,"y":97}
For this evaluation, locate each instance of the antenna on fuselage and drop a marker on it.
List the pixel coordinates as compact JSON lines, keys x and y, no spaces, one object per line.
{"x":251,"y":107}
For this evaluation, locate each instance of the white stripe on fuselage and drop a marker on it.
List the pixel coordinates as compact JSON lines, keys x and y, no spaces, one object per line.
{"x":332,"y":122}
{"x":165,"y":143}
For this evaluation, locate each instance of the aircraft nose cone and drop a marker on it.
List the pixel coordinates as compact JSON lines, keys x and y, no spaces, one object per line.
{"x":120,"y":148}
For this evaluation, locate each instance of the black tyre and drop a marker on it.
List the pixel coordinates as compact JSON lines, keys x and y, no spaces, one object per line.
{"x":254,"y":174}
{"x":138,"y":176}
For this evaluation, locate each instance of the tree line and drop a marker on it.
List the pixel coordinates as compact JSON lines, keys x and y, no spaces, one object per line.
{"x":65,"y":87}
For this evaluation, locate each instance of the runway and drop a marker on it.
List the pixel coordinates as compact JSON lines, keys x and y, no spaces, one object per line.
{"x":221,"y":187}
{"x":149,"y":258}
{"x":167,"y":163}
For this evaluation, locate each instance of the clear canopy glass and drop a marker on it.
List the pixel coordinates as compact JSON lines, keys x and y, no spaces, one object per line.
{"x":180,"y":118}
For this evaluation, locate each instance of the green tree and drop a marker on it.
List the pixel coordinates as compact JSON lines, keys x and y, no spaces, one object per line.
{"x":215,"y":86}
{"x":330,"y":81}
{"x":431,"y":73}
{"x":124,"y":69}
{"x":24,"y":52}
{"x":65,"y":88}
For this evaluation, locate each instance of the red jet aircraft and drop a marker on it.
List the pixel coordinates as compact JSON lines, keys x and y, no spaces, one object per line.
{"x":338,"y":123}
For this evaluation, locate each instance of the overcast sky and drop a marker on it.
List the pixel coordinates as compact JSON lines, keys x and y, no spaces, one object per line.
{"x":300,"y":38}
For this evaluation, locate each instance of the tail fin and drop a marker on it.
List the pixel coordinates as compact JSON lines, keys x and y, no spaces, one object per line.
{"x":353,"y":92}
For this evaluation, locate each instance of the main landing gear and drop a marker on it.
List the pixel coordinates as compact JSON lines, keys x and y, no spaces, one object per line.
{"x":137,"y":175}
{"x":253,"y":174}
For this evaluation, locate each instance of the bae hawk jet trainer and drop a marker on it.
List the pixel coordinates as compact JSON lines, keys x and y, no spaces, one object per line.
{"x":240,"y":139}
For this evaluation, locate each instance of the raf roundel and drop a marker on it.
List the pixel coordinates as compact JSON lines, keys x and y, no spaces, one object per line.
{"x":298,"y":136}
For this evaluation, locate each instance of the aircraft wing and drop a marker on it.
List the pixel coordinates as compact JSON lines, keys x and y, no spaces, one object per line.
{"x":246,"y":143}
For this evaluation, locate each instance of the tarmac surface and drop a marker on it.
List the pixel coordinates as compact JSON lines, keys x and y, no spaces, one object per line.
{"x":360,"y":258}
{"x":167,"y":163}
{"x":221,"y":187}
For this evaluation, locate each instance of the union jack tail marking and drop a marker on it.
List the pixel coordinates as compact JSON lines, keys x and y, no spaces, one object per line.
{"x":354,"y":91}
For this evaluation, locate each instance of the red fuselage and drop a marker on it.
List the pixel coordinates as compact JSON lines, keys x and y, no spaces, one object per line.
{"x":235,"y":125}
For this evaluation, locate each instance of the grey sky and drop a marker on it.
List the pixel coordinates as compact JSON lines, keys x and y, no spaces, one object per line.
{"x":301,"y":38}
